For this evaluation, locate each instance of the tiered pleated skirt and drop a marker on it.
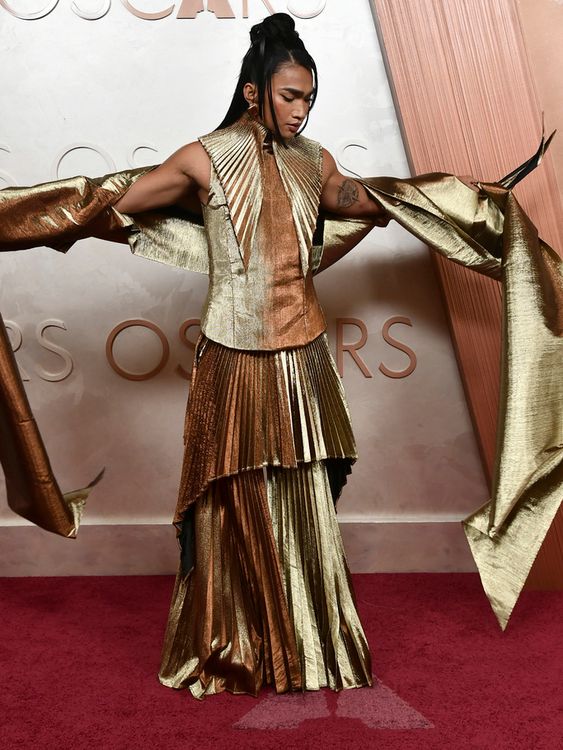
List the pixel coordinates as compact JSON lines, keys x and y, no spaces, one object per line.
{"x":266,"y":598}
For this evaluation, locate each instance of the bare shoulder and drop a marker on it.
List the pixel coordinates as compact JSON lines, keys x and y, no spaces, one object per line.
{"x":329,"y":164}
{"x":192,"y":159}
{"x":192,"y":156}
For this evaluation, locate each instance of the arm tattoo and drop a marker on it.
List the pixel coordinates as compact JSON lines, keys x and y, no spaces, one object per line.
{"x":347,"y":193}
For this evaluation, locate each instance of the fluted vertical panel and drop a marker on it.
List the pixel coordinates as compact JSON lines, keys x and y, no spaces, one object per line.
{"x":467,"y":105}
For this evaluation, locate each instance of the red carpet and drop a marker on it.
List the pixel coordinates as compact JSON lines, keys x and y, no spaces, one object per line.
{"x":79,"y":656}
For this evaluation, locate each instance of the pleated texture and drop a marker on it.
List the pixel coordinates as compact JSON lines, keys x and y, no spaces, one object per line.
{"x":235,"y":150}
{"x":302,"y":178}
{"x":331,"y":643}
{"x":266,"y":603}
{"x":263,"y":301}
{"x":247,"y":409}
{"x":228,"y":626}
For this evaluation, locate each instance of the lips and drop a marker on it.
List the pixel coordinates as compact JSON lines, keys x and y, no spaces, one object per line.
{"x":293,"y":126}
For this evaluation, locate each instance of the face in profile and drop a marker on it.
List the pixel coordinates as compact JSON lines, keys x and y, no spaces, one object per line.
{"x":292,"y":90}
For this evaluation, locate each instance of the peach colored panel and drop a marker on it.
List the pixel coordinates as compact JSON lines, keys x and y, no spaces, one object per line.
{"x":467,"y":104}
{"x":542,"y":28}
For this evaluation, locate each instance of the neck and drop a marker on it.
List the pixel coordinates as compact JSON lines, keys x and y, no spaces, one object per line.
{"x":264,"y":135}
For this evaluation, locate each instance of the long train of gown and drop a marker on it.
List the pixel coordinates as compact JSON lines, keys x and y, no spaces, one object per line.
{"x":269,"y":599}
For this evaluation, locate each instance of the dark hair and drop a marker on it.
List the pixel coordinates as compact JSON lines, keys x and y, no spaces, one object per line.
{"x":274,"y":42}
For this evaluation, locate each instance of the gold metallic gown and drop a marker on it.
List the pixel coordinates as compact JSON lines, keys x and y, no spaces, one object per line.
{"x":266,"y":595}
{"x":256,"y":509}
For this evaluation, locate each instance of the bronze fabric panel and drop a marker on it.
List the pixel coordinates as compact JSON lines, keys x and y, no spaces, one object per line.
{"x":292,"y":315}
{"x":32,"y":489}
{"x":228,"y":626}
{"x":251,"y":408}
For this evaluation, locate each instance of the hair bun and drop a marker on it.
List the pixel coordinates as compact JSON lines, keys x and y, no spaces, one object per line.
{"x":279,"y":27}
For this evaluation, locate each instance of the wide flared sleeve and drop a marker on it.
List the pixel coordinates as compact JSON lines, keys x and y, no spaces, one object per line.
{"x":57,"y":214}
{"x":487,"y":231}
{"x":31,"y":488}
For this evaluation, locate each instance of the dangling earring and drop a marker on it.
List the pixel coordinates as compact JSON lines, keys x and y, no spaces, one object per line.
{"x":253,"y":110}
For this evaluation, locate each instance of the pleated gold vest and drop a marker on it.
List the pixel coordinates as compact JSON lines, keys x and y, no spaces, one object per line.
{"x":259,"y":221}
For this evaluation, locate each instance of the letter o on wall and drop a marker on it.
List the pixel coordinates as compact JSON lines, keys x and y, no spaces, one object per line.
{"x":130,"y":324}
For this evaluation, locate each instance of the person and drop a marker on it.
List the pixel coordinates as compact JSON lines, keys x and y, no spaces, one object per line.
{"x":268,"y":438}
{"x":263,"y":594}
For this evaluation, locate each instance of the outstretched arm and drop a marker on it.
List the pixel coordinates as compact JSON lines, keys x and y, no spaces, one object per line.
{"x":176,"y":180}
{"x":345,"y":196}
{"x":58,"y":213}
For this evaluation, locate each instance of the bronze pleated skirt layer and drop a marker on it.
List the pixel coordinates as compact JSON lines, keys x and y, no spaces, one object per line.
{"x":268,"y":599}
{"x":251,"y":408}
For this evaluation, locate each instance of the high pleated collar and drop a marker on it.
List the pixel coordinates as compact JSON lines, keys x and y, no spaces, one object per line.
{"x":264,"y":136}
{"x":236,"y":152}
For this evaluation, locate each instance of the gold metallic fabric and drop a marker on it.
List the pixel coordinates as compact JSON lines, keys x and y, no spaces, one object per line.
{"x":262,"y":300}
{"x":235,"y":152}
{"x":472,"y":228}
{"x":57,"y":214}
{"x":269,"y":601}
{"x":331,"y":643}
{"x":486,"y":231}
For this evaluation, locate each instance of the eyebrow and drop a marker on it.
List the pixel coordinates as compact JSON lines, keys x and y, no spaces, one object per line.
{"x":297,"y":91}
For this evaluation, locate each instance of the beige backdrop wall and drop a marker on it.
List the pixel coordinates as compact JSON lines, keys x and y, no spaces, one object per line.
{"x":91,"y":96}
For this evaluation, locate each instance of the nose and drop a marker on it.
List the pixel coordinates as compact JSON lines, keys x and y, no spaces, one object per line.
{"x":301,"y":107}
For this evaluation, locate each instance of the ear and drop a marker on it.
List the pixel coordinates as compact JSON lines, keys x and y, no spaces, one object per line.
{"x":250,"y":93}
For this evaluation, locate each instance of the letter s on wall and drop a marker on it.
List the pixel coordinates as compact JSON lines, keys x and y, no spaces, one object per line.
{"x":55,"y":349}
{"x":397,"y":345}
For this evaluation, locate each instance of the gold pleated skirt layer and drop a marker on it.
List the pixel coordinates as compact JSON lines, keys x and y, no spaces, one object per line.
{"x":269,"y":598}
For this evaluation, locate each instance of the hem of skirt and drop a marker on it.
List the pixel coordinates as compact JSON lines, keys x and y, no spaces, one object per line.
{"x":369,"y":683}
{"x":177,"y":521}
